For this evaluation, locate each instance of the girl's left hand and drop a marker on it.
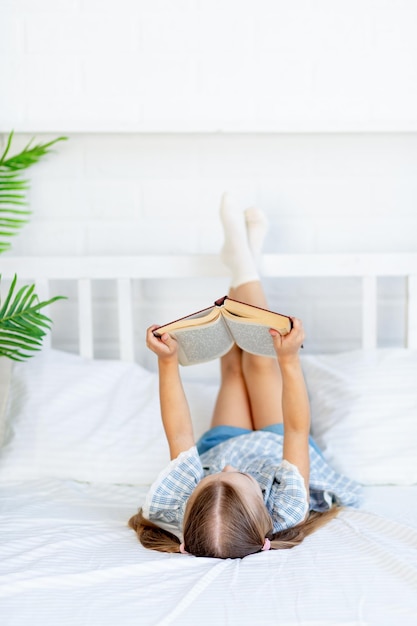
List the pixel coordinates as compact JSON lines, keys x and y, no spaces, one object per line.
{"x":287,"y":346}
{"x":165,"y":347}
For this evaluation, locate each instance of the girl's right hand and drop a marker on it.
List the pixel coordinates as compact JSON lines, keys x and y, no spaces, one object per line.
{"x":288,"y":345}
{"x":165,"y":347}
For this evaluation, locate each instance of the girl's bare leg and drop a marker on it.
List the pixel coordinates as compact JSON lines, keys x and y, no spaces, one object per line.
{"x":232,"y":407}
{"x":261,"y":374}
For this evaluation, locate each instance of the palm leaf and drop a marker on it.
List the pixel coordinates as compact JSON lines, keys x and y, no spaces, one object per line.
{"x":22,"y":326}
{"x":13,"y":215}
{"x":28,"y":156}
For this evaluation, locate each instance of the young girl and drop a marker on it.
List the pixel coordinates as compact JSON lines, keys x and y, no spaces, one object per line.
{"x":256,"y":480}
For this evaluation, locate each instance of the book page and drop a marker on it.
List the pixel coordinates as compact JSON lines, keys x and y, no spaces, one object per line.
{"x":203,"y":343}
{"x":195,"y":319}
{"x":251,"y":337}
{"x":233,"y":308}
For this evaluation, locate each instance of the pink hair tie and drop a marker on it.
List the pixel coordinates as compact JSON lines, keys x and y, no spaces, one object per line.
{"x":182,"y":549}
{"x":267,"y":545}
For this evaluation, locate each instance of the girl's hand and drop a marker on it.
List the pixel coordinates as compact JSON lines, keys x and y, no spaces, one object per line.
{"x":165,"y":347}
{"x":287,"y":346}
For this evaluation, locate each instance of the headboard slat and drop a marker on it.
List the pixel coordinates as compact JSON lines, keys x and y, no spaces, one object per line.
{"x":85,"y":317}
{"x":43,"y":293}
{"x":369,"y":313}
{"x":124,"y":305}
{"x":411,"y":313}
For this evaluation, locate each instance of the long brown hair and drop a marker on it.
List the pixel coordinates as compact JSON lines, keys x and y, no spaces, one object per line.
{"x":219,"y":523}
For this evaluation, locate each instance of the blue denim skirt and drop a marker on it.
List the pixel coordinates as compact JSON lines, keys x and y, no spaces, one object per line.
{"x":219,"y":434}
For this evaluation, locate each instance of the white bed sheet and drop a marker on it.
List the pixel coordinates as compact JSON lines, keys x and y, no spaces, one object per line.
{"x":68,"y":558}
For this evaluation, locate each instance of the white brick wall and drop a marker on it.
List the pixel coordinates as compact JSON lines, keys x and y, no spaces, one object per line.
{"x":97,"y":65}
{"x":160,"y":193}
{"x":129,"y":81}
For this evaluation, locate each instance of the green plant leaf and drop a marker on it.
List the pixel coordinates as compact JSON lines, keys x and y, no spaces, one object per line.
{"x":28,"y":156}
{"x":13,"y":188}
{"x":8,"y":144}
{"x":22,"y":326}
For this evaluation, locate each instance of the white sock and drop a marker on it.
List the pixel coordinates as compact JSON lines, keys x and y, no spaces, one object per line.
{"x":256,"y":227}
{"x":236,"y":253}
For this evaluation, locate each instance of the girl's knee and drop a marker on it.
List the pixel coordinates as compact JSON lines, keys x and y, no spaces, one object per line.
{"x":261,"y":365}
{"x":231,"y":363}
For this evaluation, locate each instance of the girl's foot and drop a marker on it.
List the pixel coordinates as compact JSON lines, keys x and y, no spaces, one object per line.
{"x":236,"y":252}
{"x":256,"y":227}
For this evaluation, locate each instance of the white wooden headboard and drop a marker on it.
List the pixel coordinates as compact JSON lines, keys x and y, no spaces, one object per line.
{"x":123,"y":270}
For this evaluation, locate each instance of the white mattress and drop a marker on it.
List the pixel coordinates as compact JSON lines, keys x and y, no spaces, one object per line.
{"x":68,"y":558}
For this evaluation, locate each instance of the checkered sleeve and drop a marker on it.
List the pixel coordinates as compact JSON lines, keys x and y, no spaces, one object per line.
{"x":287,"y":502}
{"x":168,"y":495}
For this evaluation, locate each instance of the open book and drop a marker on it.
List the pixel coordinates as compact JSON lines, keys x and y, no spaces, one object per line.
{"x":210,"y":333}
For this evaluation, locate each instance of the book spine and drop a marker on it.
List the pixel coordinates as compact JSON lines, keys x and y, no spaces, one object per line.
{"x":220,"y":301}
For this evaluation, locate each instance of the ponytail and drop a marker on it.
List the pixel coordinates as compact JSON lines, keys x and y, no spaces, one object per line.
{"x":291,"y":537}
{"x":152,"y":536}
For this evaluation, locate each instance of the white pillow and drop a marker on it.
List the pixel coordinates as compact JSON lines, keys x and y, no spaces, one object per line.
{"x":89,"y":420}
{"x":364,"y":413}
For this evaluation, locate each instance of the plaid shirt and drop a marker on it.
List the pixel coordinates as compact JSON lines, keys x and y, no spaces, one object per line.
{"x":259,"y":454}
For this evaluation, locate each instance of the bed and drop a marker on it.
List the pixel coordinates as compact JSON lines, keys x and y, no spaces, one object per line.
{"x":81,"y":440}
